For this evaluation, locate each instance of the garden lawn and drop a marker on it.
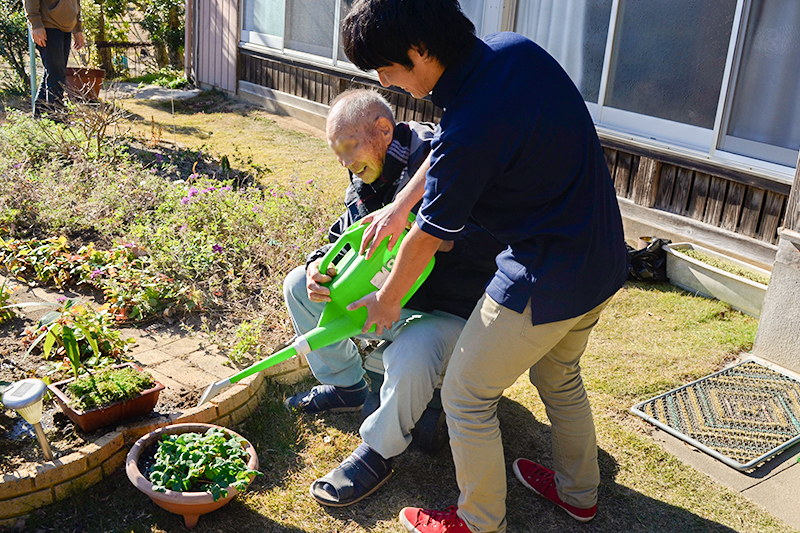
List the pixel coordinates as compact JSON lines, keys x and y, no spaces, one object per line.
{"x":272,"y":148}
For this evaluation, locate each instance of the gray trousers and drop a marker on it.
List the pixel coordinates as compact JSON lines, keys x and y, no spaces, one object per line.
{"x":414,"y":362}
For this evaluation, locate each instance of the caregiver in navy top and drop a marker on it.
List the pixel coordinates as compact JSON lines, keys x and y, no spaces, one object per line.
{"x":516,"y":149}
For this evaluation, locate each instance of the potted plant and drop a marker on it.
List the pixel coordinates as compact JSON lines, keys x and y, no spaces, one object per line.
{"x":80,"y":336}
{"x":114,"y":394}
{"x":191,"y":469}
{"x":714,"y":275}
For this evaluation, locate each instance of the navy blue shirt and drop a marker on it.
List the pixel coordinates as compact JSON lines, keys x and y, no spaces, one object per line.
{"x":517,"y":150}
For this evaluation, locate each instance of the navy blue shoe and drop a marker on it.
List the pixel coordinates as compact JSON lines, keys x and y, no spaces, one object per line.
{"x":329,"y":399}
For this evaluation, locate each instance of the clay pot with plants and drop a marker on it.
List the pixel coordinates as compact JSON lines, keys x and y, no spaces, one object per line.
{"x":191,"y":469}
{"x":108,"y":396}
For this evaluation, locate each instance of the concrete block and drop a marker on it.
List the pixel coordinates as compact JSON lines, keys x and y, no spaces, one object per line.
{"x":204,"y":414}
{"x":291,"y":378}
{"x":181,"y":346}
{"x":98,"y":451}
{"x":289,"y":365}
{"x":60,"y":470}
{"x":134,"y":432}
{"x":239,"y":415}
{"x":84,"y":481}
{"x":15,"y":484}
{"x":114,"y":462}
{"x":144,"y":342}
{"x":232,"y":398}
{"x":167,"y":381}
{"x":25,"y":504}
{"x":778,"y":336}
{"x":148,"y":358}
{"x":17,"y":523}
{"x":253,"y":403}
{"x":190,"y":377}
{"x":214,"y":365}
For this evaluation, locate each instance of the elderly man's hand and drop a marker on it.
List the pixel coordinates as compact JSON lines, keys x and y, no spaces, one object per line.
{"x":314,"y":279}
{"x":39,"y":37}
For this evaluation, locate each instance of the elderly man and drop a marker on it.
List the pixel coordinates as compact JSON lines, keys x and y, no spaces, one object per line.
{"x":380,"y":156}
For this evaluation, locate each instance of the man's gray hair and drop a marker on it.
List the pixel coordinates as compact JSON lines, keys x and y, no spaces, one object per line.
{"x":358,"y":108}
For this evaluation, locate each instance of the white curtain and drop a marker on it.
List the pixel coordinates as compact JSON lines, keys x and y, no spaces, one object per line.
{"x":766,"y":99}
{"x":558,"y":27}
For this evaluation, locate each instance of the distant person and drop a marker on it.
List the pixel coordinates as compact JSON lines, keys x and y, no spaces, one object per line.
{"x":381,"y":156}
{"x":55,"y":25}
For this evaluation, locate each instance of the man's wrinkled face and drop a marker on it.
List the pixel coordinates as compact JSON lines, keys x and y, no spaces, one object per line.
{"x":360,"y":150}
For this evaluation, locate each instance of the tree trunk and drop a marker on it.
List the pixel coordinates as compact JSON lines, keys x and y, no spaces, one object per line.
{"x":103,"y":52}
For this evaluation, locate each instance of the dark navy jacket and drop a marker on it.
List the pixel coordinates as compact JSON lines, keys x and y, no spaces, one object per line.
{"x":516,"y":150}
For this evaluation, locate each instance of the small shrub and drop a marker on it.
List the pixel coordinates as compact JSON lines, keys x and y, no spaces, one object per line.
{"x":76,"y":335}
{"x":6,"y":313}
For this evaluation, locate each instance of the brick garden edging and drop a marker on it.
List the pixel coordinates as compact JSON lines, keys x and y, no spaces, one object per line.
{"x":22,"y":492}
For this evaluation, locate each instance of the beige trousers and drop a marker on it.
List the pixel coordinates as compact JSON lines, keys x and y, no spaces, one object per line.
{"x":496,"y":346}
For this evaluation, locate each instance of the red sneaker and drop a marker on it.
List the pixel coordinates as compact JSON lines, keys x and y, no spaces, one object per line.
{"x":542,"y":481}
{"x":418,"y":520}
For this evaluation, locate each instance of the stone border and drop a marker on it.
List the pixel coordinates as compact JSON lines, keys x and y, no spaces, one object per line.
{"x":22,"y":492}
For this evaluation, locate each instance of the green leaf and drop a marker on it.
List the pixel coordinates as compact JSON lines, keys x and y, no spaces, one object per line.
{"x":71,"y":346}
{"x":49,"y":341}
{"x":85,"y":329}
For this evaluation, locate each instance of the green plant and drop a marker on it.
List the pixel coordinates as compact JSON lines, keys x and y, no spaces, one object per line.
{"x":79,"y":333}
{"x":164,"y":20}
{"x":194,"y":462}
{"x":165,"y":77}
{"x":6,"y":312}
{"x":108,"y":386}
{"x":248,"y":335}
{"x":14,"y":39}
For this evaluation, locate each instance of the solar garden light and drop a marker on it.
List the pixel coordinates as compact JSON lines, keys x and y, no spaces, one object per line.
{"x":26,"y":397}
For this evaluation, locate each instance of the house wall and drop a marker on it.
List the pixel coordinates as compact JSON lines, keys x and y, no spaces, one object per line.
{"x":661,"y":193}
{"x":216,"y":41}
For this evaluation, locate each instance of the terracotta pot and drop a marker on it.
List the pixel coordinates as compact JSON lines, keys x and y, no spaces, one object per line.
{"x":85,"y":82}
{"x":188,"y":504}
{"x":105,"y":416}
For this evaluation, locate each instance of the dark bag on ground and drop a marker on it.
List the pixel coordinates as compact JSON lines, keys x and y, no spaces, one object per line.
{"x":649,"y":263}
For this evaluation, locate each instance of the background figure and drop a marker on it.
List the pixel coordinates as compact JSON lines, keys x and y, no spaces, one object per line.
{"x":54,"y":24}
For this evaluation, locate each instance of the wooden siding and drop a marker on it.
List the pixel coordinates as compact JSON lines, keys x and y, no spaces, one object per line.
{"x":728,"y":199}
{"x":724,"y":202}
{"x":322,"y":87}
{"x":216,"y":32}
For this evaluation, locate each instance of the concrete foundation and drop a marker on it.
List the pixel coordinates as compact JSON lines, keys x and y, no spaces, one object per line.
{"x":778,"y":337}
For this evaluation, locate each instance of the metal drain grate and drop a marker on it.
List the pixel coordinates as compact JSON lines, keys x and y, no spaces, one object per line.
{"x":742,"y":415}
